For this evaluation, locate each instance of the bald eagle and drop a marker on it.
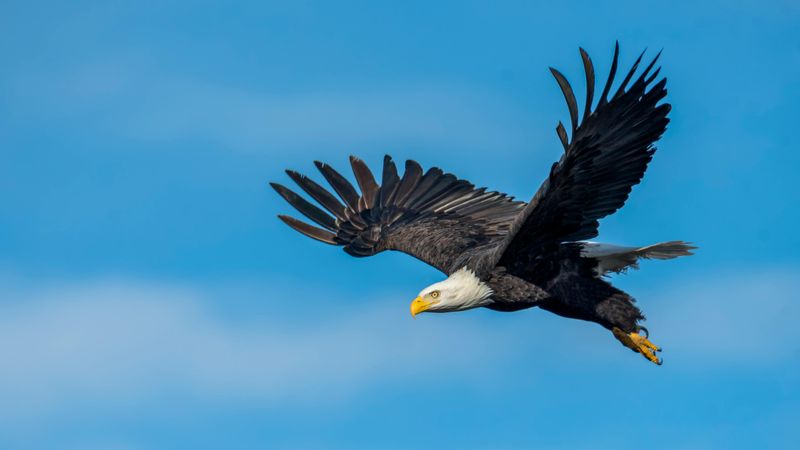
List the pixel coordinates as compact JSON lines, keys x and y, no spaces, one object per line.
{"x":508,"y":255}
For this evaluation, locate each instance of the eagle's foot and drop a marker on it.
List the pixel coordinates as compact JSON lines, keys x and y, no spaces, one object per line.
{"x":639,"y":344}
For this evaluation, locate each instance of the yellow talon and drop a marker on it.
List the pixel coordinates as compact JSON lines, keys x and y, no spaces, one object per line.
{"x":639,"y":344}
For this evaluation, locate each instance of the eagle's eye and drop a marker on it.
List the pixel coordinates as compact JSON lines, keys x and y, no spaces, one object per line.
{"x":435,"y":294}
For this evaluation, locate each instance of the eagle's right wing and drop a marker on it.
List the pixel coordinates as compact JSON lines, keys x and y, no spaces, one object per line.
{"x":434,"y":216}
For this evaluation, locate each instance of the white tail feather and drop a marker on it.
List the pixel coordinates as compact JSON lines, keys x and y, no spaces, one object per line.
{"x":617,"y":258}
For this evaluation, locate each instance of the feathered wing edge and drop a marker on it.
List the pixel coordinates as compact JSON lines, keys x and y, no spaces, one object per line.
{"x":409,"y":214}
{"x":605,"y":155}
{"x":611,"y":148}
{"x":639,"y":86}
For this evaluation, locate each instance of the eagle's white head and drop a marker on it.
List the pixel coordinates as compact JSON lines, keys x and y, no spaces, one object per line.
{"x":461,"y":290}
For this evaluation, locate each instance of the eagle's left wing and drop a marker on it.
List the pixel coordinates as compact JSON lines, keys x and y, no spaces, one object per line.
{"x":435,"y":217}
{"x":607,"y":155}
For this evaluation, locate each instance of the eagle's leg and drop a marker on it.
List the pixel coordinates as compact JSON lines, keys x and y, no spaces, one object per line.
{"x":638,"y":343}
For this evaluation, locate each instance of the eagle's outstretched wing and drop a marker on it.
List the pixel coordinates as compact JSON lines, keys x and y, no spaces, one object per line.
{"x":607,"y":155}
{"x":434,"y":216}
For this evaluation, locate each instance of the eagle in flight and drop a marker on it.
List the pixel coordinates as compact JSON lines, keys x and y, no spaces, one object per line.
{"x":508,"y":255}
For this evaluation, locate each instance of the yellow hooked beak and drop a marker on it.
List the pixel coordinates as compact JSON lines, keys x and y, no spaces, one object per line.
{"x":419,"y":305}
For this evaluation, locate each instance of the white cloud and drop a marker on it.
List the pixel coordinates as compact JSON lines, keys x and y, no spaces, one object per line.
{"x":119,"y":344}
{"x":747,"y":317}
{"x":122,"y":344}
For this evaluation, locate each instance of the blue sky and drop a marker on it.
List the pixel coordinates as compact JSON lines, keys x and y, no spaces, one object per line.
{"x":152,"y":300}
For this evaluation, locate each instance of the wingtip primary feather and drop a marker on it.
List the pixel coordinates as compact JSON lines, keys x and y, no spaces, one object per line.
{"x":569,"y":96}
{"x":366,"y":182}
{"x":562,"y":135}
{"x":309,"y":230}
{"x":611,"y":74}
{"x":389,"y":182}
{"x":588,"y":68}
{"x":304,"y":207}
{"x":318,"y":193}
{"x":409,"y":181}
{"x":624,"y":84}
{"x":339,"y":183}
{"x":643,"y":78}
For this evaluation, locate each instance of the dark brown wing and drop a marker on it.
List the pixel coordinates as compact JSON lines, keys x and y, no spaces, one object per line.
{"x":433,"y":216}
{"x":607,"y":156}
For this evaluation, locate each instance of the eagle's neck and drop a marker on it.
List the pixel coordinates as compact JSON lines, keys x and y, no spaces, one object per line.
{"x":470,"y":291}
